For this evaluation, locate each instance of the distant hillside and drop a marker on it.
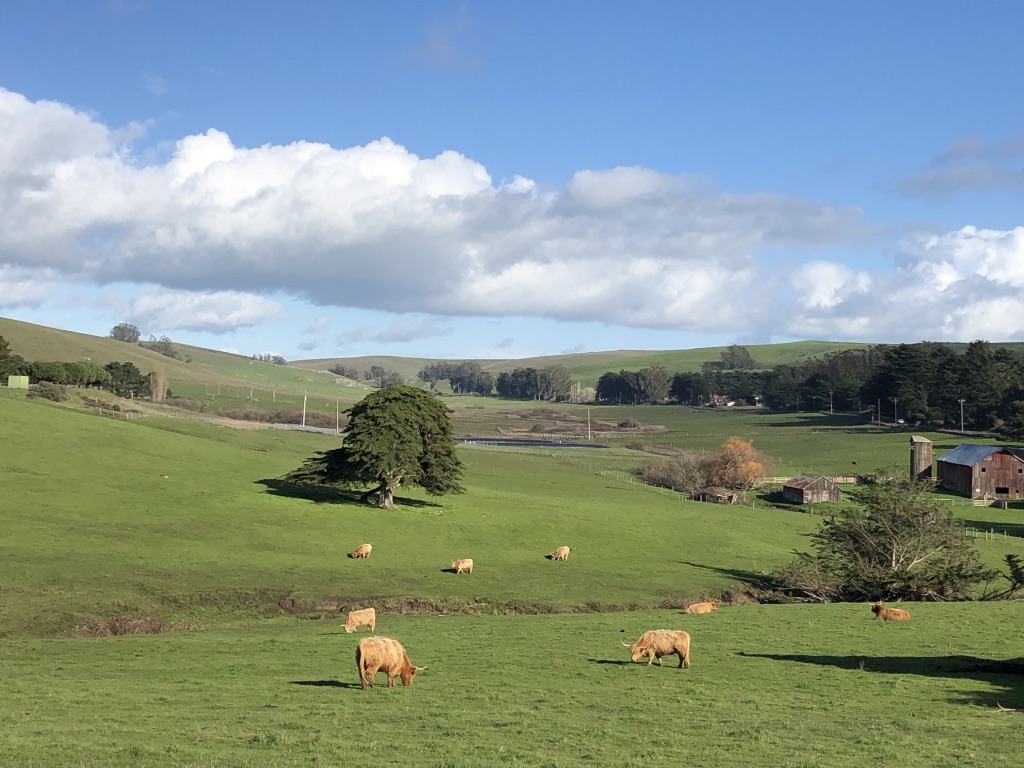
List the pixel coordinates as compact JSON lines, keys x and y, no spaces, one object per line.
{"x":588,"y":367}
{"x":209,"y":368}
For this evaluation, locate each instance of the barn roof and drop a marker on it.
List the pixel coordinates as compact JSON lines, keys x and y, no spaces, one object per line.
{"x":968,"y":454}
{"x":805,"y":481}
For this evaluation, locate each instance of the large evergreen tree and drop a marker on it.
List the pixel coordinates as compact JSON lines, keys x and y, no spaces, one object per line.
{"x":899,"y":543}
{"x":397,"y":435}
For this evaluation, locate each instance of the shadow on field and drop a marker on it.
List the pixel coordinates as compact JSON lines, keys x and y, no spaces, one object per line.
{"x":323,"y":495}
{"x":610,"y":661}
{"x":747,"y":577}
{"x":1010,"y":529}
{"x":326,"y":683}
{"x":815,"y":420}
{"x":1006,"y":675}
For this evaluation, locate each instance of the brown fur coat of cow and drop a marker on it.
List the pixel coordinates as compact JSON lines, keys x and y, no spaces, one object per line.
{"x":387,"y":655}
{"x":662,"y":642}
{"x":888,"y":614}
{"x":364,"y":618}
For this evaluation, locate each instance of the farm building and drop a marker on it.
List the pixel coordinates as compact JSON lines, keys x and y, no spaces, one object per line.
{"x":810,"y":489}
{"x":983,"y":471}
{"x":921,"y":457}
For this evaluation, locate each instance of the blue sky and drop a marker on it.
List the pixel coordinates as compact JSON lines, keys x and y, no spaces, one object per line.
{"x":478,"y":179}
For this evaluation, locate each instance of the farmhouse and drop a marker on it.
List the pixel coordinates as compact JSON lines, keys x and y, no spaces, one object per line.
{"x":983,"y":471}
{"x":810,"y":489}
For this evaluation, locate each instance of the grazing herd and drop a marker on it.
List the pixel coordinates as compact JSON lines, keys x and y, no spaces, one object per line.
{"x":387,"y":655}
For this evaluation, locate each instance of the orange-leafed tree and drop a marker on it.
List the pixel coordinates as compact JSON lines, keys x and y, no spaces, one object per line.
{"x":737,"y":465}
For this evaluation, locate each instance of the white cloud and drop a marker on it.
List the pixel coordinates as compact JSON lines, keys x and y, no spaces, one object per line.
{"x":403,"y":329}
{"x":162,"y":311}
{"x":319,"y":323}
{"x":376,"y":227}
{"x":961,"y":285}
{"x":27,"y":287}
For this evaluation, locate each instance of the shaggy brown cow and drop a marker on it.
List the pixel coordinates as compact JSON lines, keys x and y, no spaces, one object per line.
{"x":701,"y":608}
{"x":363,"y":550}
{"x":661,"y":642}
{"x":462,"y":566}
{"x":385,"y":655}
{"x":888,"y":614}
{"x":364,"y":618}
{"x":562,"y":553}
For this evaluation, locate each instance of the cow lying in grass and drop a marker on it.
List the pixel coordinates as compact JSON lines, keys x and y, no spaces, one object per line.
{"x":701,"y":608}
{"x":661,"y":642}
{"x":888,"y":614}
{"x":383,"y":654}
{"x":364,"y":618}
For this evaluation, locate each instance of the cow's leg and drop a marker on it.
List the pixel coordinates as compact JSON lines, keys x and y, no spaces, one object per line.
{"x":661,"y":663}
{"x":391,"y":680}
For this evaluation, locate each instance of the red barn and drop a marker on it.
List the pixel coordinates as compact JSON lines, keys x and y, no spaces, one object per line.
{"x":983,"y":471}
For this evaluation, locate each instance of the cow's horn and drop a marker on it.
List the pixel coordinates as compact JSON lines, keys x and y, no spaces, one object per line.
{"x":419,"y":669}
{"x":624,"y":644}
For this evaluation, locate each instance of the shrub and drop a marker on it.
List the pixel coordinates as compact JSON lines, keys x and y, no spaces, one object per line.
{"x":49,"y":391}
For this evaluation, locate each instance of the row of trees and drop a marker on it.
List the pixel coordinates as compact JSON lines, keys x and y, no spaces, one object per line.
{"x":376,"y":376}
{"x":464,"y":378}
{"x":123,"y":379}
{"x":919,"y":383}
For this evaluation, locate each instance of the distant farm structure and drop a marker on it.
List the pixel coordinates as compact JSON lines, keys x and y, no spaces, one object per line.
{"x":810,"y":489}
{"x":983,"y":471}
{"x":921,"y":457}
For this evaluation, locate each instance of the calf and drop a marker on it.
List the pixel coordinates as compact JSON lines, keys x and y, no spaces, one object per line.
{"x":462,"y":566}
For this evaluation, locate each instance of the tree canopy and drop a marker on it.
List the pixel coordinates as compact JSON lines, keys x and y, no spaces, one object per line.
{"x":898,"y":543}
{"x":396,"y":435}
{"x":125,"y":332}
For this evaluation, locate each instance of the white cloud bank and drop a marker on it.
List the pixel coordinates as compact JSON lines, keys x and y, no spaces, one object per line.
{"x":377,"y":227}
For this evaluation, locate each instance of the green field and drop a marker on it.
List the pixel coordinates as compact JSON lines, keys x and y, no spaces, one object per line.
{"x":188,"y":524}
{"x":768,"y":686}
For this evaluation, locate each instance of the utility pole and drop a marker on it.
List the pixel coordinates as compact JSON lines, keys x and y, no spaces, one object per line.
{"x":961,"y":415}
{"x":337,"y":418}
{"x":588,"y":423}
{"x":830,"y":411}
{"x":303,"y":407}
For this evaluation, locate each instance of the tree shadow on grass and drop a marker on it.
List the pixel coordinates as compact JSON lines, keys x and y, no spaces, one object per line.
{"x":1010,"y":529}
{"x":326,"y":683}
{"x":320,"y":494}
{"x":1007,"y":676}
{"x":745,"y":577}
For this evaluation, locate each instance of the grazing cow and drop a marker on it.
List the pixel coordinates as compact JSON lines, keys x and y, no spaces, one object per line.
{"x":701,"y":608}
{"x":562,"y":553}
{"x":462,"y":566}
{"x":888,"y":614}
{"x":661,"y":642}
{"x":363,"y":550}
{"x":364,"y":618}
{"x":386,"y":655}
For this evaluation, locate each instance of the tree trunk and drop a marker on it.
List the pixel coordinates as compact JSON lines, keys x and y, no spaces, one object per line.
{"x":386,"y":497}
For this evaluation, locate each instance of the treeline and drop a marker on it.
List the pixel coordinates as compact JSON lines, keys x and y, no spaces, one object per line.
{"x":926,"y":383}
{"x":551,"y":383}
{"x":123,"y":379}
{"x":377,"y":376}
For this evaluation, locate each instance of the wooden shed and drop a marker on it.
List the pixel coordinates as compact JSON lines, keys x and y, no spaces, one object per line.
{"x":810,"y":489}
{"x":983,"y":471}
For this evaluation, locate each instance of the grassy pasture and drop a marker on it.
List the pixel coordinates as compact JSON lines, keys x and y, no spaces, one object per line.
{"x":182,"y":519}
{"x":186,"y":521}
{"x":769,"y":686}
